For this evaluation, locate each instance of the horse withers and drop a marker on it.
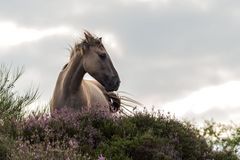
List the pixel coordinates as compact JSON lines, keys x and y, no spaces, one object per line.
{"x":71,"y":90}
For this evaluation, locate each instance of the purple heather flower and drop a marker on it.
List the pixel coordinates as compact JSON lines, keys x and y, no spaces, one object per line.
{"x":101,"y":157}
{"x":73,"y":143}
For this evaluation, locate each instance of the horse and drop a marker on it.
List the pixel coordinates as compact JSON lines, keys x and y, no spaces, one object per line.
{"x":71,"y":90}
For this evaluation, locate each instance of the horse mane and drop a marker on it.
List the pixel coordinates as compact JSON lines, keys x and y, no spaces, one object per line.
{"x":89,"y":40}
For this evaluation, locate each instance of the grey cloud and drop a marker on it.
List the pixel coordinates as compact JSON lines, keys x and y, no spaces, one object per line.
{"x":43,"y":59}
{"x":226,"y":114}
{"x":170,"y":79}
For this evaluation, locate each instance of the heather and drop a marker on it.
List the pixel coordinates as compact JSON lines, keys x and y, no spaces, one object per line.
{"x":68,"y":134}
{"x":73,"y":135}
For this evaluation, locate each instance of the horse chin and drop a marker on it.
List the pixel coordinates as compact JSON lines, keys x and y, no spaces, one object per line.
{"x":112,"y":88}
{"x":109,"y":89}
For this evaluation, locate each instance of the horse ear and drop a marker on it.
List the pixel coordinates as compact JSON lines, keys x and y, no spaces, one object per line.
{"x":88,"y":36}
{"x":100,"y":39}
{"x":85,"y":45}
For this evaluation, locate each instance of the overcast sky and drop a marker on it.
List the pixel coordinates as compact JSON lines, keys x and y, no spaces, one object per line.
{"x":179,"y":56}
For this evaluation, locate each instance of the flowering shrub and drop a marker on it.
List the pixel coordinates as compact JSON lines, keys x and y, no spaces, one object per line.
{"x":72,"y":135}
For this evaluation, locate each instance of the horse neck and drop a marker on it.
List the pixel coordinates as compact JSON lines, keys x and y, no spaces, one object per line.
{"x":73,"y":75}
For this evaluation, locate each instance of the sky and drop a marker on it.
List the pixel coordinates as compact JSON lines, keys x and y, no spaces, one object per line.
{"x":178,"y":56}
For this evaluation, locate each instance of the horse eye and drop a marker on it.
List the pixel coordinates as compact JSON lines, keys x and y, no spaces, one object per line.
{"x":102,"y":55}
{"x":100,"y":45}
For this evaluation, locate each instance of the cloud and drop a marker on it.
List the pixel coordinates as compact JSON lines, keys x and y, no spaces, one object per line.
{"x":203,"y":102}
{"x":42,"y":61}
{"x":12,"y":34}
{"x":163,"y":50}
{"x":111,"y":42}
{"x":223,"y":115}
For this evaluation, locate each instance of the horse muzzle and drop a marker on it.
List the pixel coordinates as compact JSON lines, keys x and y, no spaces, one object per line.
{"x":113,"y":84}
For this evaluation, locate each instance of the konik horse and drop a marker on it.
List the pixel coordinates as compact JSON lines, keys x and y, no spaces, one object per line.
{"x":71,"y":90}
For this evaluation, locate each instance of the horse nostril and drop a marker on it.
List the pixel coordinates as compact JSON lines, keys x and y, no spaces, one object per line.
{"x":116,"y":82}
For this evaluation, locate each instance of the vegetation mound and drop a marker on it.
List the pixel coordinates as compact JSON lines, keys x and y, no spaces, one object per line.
{"x":72,"y":135}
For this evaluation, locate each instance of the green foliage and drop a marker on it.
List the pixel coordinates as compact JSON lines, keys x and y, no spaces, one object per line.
{"x":88,"y":135}
{"x":224,"y":138}
{"x":142,"y":136}
{"x":5,"y":147}
{"x":11,"y":107}
{"x":155,"y":137}
{"x":12,"y":104}
{"x":25,"y":150}
{"x":224,"y":155}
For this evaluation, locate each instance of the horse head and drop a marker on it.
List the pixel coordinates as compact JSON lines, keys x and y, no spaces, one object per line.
{"x":97,"y":62}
